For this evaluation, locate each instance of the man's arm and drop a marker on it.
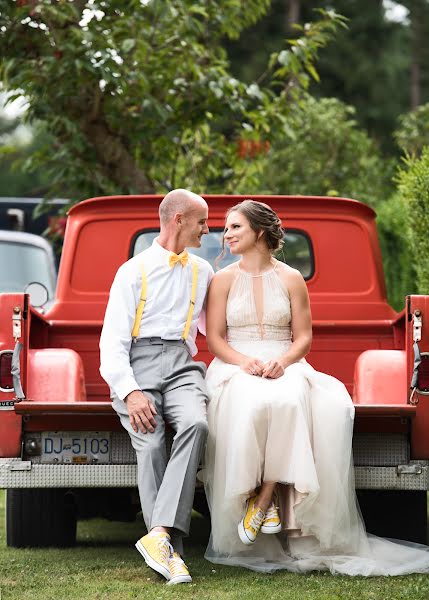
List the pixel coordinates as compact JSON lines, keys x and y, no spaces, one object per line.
{"x":115,"y":344}
{"x":115,"y":340}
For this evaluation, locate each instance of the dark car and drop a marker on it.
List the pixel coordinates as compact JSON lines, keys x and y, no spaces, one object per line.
{"x":17,"y":214}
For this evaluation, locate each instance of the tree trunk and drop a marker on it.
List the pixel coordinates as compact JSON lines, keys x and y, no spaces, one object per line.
{"x":116,"y":160}
{"x":292,"y":14}
{"x":416,"y":15}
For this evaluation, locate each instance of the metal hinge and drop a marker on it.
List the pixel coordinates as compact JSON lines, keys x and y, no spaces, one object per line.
{"x":417,"y":325}
{"x":20,"y":465}
{"x":411,"y":469}
{"x":16,"y":323}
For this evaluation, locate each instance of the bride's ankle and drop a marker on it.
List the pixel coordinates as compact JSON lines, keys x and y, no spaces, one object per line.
{"x":262,"y":503}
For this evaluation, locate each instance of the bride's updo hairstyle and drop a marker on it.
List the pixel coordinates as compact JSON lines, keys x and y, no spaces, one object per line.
{"x":261,"y":217}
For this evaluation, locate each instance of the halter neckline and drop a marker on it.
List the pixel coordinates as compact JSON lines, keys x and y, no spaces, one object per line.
{"x":260,"y":274}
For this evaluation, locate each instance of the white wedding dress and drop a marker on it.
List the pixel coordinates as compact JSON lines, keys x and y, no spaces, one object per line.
{"x":296,"y":430}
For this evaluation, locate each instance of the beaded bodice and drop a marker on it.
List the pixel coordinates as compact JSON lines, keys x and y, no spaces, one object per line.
{"x":258,"y":307}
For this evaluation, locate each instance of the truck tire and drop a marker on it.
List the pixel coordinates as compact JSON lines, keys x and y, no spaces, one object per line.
{"x":399,"y":514}
{"x":40,"y":517}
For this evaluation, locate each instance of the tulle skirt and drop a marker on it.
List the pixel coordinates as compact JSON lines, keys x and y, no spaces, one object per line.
{"x":295,"y":430}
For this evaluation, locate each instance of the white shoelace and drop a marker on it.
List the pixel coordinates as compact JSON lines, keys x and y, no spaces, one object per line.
{"x":165,"y":549}
{"x":176,"y":565}
{"x":257,"y":519}
{"x":271,"y":512}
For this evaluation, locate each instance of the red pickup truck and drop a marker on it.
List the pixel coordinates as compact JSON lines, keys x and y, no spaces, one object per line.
{"x":63,"y":453}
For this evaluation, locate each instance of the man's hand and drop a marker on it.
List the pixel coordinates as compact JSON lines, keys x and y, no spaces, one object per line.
{"x":141,"y":412}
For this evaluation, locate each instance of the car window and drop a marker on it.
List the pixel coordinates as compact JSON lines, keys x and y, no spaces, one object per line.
{"x":21,"y":264}
{"x":296,"y":252}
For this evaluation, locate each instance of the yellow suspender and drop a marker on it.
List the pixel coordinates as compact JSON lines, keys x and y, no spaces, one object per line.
{"x":193,"y":296}
{"x":142,"y":302}
{"x":140,"y":307}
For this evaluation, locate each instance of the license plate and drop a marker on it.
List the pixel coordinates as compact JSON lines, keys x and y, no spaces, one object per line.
{"x":75,"y":447}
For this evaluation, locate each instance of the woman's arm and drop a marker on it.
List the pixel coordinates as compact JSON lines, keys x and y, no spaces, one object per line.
{"x":300,"y":325}
{"x":216,"y":325}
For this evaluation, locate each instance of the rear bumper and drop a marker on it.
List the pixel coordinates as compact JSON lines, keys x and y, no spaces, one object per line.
{"x":16,"y":473}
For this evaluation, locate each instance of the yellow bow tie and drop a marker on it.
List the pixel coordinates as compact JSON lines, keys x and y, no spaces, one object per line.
{"x":183,"y":258}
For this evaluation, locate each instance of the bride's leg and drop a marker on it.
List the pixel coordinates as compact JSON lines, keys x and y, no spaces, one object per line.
{"x":265,"y":495}
{"x":259,"y":515}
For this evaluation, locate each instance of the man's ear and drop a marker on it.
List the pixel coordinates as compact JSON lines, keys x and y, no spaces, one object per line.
{"x":178,"y":218}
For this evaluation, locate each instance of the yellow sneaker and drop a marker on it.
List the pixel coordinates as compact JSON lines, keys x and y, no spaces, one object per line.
{"x":271,"y":523}
{"x":250,"y":524}
{"x":156,"y":550}
{"x":178,"y":570}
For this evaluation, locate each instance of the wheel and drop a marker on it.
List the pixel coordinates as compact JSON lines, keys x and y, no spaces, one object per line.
{"x":40,"y":517}
{"x":399,"y":514}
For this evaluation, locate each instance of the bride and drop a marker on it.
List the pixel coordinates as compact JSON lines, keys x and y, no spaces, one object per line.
{"x":279,"y":472}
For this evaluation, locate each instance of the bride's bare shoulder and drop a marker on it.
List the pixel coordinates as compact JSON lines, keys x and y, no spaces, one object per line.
{"x":286,"y":270}
{"x":290,"y":277}
{"x":227,"y":274}
{"x":222,"y":281}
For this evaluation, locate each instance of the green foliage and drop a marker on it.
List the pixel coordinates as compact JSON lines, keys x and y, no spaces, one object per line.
{"x":397,"y":250}
{"x":413,"y":184}
{"x":413,"y":131}
{"x":138,"y":97}
{"x":14,"y":153}
{"x":321,"y":150}
{"x":367,"y":67}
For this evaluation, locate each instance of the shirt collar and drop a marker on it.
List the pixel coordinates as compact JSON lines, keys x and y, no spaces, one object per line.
{"x":161,"y":253}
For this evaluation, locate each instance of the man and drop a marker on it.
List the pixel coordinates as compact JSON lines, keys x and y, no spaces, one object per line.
{"x":146,"y":345}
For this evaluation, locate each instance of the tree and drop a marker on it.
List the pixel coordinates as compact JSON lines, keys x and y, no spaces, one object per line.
{"x":397,"y":249}
{"x":419,"y":31}
{"x":323,"y":151}
{"x":412,"y":133}
{"x":368,"y":67}
{"x":413,"y":185}
{"x":138,"y":96}
{"x":17,"y":145}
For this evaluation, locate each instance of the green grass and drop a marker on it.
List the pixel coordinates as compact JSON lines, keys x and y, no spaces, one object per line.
{"x":105,"y":565}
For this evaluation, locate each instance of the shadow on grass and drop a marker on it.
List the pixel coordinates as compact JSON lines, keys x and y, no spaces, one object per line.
{"x":103,"y":533}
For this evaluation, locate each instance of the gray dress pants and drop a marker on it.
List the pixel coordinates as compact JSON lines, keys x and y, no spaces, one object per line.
{"x":167,"y":374}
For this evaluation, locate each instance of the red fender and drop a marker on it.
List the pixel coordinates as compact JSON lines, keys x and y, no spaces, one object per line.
{"x":380,"y":377}
{"x":55,"y":374}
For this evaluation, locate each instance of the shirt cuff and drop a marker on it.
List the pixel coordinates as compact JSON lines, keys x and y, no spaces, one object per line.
{"x":126,"y":387}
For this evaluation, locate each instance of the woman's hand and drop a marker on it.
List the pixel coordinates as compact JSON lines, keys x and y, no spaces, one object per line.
{"x":253,"y":366}
{"x":273,"y":369}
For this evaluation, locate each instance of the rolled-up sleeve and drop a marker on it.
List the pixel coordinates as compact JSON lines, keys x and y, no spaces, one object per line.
{"x":115,"y":340}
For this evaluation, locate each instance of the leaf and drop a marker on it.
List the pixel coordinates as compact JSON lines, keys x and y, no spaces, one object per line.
{"x":284,"y":58}
{"x":128,"y":45}
{"x":313,"y":72}
{"x":254,"y":91}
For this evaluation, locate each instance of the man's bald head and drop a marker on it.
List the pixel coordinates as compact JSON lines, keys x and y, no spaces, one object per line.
{"x":178,"y":201}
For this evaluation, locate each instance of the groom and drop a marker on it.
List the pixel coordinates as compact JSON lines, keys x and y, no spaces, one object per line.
{"x":146,"y":349}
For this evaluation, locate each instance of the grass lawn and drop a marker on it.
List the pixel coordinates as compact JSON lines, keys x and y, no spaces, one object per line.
{"x":105,"y":565}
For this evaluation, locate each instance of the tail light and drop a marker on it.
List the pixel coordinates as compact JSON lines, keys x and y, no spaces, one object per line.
{"x":6,"y":381}
{"x":423,"y":374}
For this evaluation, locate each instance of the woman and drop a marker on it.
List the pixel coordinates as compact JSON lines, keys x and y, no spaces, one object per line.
{"x":280,"y":433}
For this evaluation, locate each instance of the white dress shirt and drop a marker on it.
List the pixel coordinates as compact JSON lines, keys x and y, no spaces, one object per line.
{"x":165,"y":313}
